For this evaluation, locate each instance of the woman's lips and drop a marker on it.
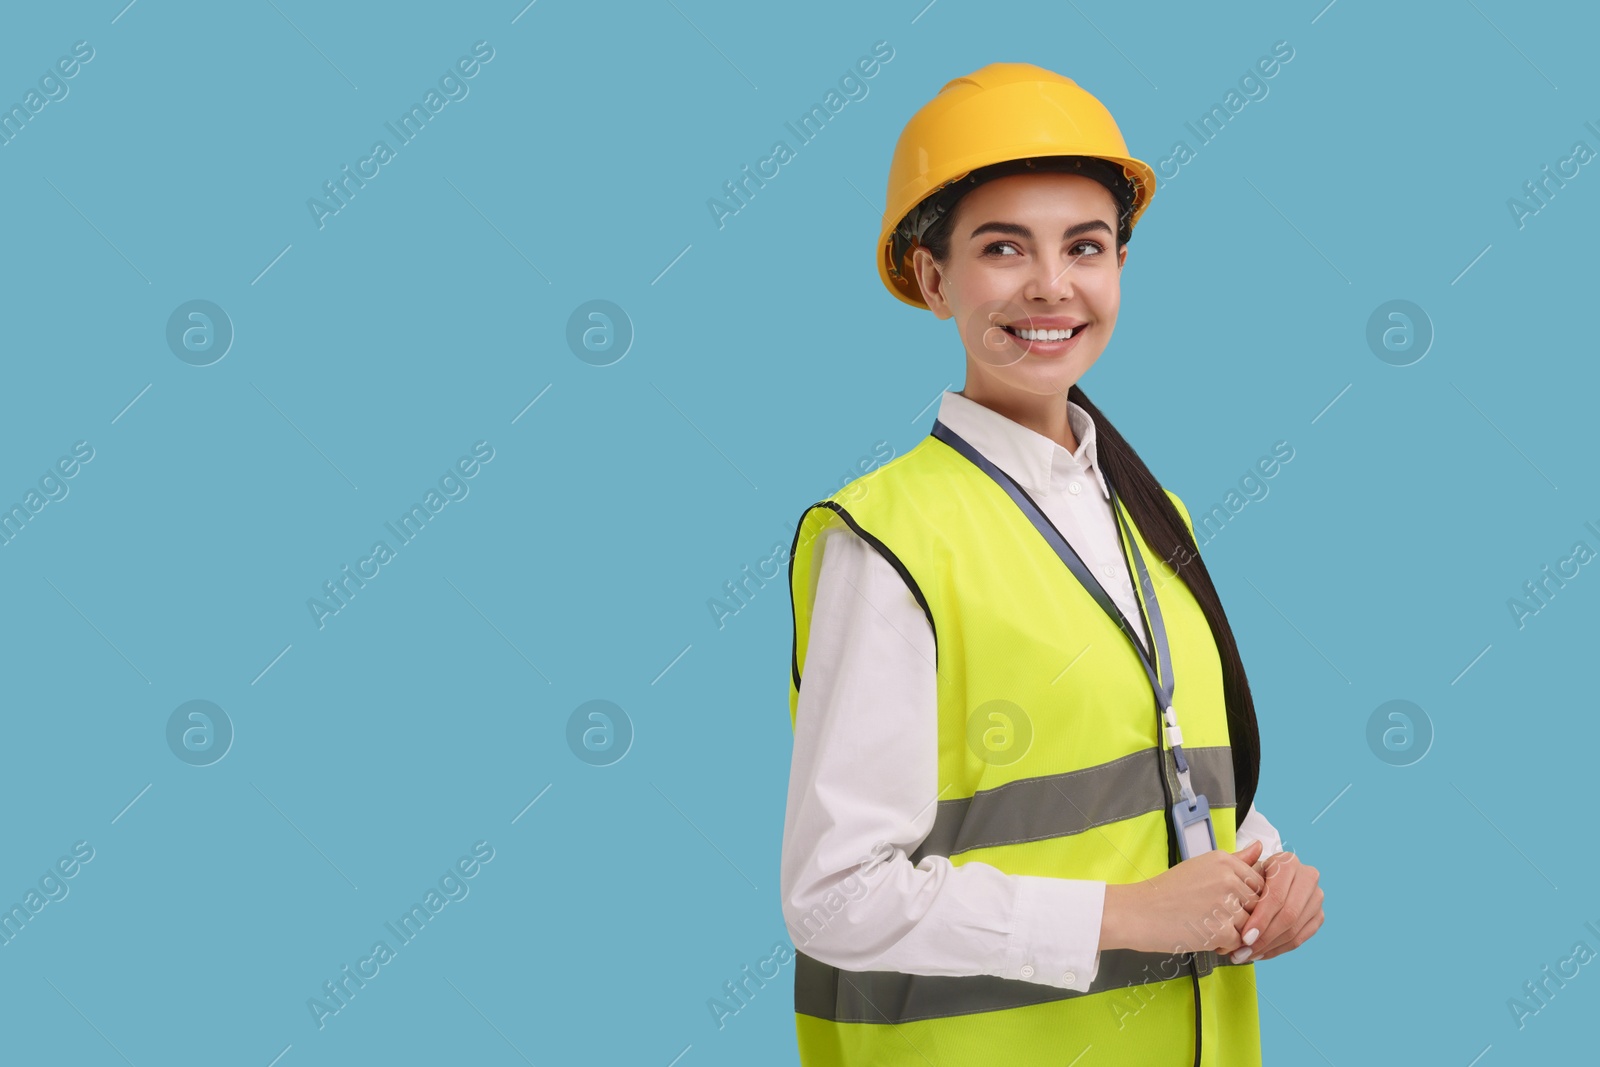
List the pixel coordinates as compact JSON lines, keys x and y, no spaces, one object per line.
{"x":1046,"y":348}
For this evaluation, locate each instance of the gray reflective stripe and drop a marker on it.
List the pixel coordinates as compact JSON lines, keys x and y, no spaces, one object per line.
{"x":891,"y":997}
{"x":1056,"y":805}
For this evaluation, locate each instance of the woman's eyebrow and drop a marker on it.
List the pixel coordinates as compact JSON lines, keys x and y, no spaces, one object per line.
{"x":1015,"y":230}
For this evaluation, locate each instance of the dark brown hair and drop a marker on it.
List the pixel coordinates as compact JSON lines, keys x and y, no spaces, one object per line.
{"x":1164,"y":531}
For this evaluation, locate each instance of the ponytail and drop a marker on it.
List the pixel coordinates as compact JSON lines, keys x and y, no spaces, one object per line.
{"x":1164,"y":531}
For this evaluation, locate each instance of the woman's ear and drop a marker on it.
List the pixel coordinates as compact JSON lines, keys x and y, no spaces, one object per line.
{"x":1122,"y":256}
{"x":931,"y":282}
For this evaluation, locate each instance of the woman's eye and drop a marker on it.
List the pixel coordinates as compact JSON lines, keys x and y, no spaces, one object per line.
{"x":1007,"y":250}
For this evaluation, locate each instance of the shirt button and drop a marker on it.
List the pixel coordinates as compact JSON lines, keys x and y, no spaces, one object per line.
{"x":1027,"y":970}
{"x":1070,"y":977}
{"x":1074,"y":488}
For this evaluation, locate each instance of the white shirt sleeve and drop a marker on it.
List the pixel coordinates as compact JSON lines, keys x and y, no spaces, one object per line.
{"x":862,"y":797}
{"x":1255,"y":827}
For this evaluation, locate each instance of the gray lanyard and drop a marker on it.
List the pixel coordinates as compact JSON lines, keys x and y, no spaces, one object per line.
{"x":1192,"y":810}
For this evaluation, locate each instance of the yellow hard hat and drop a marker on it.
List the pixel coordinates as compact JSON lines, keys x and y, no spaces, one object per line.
{"x":998,"y":113}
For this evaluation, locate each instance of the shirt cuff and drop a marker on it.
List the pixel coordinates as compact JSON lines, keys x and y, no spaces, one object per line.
{"x":1255,"y":827}
{"x":1055,"y":938}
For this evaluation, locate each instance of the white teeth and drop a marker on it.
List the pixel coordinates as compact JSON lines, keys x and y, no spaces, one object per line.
{"x":1045,"y":335}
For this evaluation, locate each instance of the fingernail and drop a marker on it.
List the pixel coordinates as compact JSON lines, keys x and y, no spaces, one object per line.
{"x":1250,"y":938}
{"x":1240,"y":956}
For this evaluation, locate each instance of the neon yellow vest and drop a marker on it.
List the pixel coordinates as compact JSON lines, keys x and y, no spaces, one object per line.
{"x":1051,"y":763}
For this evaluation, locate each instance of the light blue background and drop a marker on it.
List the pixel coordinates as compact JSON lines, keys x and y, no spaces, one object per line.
{"x":432,"y":310}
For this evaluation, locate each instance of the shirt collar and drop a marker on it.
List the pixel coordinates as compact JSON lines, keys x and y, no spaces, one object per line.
{"x":1030,"y":457}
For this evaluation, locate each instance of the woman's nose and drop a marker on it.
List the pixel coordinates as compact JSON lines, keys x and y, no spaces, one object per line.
{"x":1051,"y":278}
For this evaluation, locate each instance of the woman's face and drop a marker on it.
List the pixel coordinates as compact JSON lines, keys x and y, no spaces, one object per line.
{"x":1029,"y":251}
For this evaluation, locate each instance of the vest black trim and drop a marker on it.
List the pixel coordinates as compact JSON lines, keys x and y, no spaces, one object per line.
{"x":883,"y":550}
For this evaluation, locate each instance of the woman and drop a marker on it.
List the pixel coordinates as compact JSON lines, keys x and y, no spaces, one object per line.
{"x":1000,"y":844}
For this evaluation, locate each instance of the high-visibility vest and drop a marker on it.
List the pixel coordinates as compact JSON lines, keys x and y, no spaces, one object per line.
{"x":1051,"y":764}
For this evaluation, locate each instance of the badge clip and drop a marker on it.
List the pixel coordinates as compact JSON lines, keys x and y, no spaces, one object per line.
{"x":1193,"y":825}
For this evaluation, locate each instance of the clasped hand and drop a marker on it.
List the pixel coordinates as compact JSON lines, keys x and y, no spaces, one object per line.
{"x":1229,"y":902}
{"x":1288,"y":911}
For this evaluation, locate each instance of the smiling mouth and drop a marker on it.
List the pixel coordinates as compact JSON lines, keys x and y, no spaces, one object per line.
{"x":1045,"y":335}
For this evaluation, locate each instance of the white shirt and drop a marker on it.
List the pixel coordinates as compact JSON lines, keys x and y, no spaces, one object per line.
{"x":865,"y":765}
